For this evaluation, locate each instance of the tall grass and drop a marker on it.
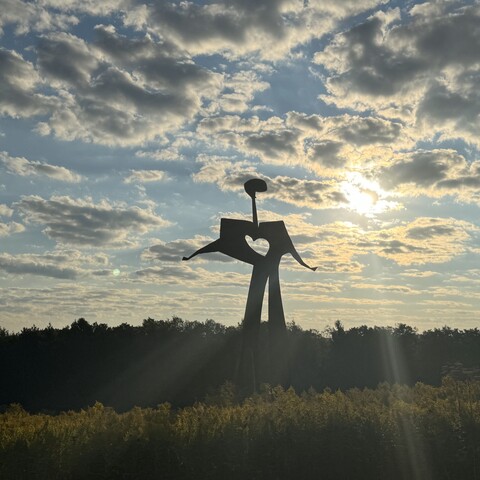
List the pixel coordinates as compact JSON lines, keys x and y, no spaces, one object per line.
{"x":391,"y":432}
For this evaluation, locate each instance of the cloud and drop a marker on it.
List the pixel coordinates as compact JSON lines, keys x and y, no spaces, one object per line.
{"x":27,"y":16}
{"x":32,"y":265}
{"x":90,"y":7}
{"x":326,"y":153}
{"x":222,"y":25}
{"x":321,"y":144}
{"x":352,"y":129}
{"x":312,"y":288}
{"x":421,"y":66}
{"x":19,"y":79}
{"x":422,"y":168}
{"x":172,"y":252}
{"x":273,"y":145}
{"x":424,"y":240}
{"x":237,"y":27}
{"x":338,"y":247}
{"x":453,"y":106}
{"x":300,"y":192}
{"x":168,"y":154}
{"x":5,"y":210}
{"x":160,"y":65}
{"x":361,"y":131}
{"x":396,"y":289}
{"x":363,"y":59}
{"x":434,"y":173}
{"x":431,"y":230}
{"x":239,"y":90}
{"x":65,"y":59}
{"x":96,"y":303}
{"x":10,"y":228}
{"x":84,"y":223}
{"x":469,"y":179}
{"x":23,"y":167}
{"x":74,"y":257}
{"x":195,"y":277}
{"x":59,"y":264}
{"x":231,"y":27}
{"x":415,"y":273}
{"x":114,"y":91}
{"x":145,"y":176}
{"x":76,"y":300}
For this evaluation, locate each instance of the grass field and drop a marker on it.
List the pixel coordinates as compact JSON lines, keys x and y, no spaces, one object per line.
{"x":391,"y":432}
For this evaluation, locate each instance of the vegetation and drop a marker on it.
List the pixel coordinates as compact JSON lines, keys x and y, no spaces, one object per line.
{"x":395,"y":432}
{"x":180,"y":362}
{"x":358,"y":428}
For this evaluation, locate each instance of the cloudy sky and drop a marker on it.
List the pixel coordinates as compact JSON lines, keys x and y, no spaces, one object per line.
{"x":127,"y":130}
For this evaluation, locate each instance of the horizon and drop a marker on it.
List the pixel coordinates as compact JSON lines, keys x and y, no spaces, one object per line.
{"x":128,"y":130}
{"x":324,"y":332}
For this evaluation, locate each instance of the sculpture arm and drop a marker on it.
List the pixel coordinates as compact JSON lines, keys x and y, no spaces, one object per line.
{"x":298,"y":258}
{"x":210,"y":248}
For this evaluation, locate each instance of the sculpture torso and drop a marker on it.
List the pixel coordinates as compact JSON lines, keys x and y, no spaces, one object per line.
{"x":234,"y":244}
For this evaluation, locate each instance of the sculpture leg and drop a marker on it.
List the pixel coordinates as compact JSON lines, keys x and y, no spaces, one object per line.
{"x":277,"y":331}
{"x":251,"y":326}
{"x":276,"y":315}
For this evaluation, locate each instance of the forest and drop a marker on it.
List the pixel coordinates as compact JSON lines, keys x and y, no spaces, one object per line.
{"x":51,"y":370}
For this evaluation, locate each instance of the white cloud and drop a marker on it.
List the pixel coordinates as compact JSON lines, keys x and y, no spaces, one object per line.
{"x":197,"y":277}
{"x":23,"y":167}
{"x":323,"y":145}
{"x":435,"y":173}
{"x":122,"y":90}
{"x":115,"y":91}
{"x":240,"y":89}
{"x":170,"y":154}
{"x":422,"y":67}
{"x":10,"y":228}
{"x":238,"y":27}
{"x":33,"y":265}
{"x":19,"y":80}
{"x":143,"y":176}
{"x":424,"y":240}
{"x":59,"y":264}
{"x":395,"y":289}
{"x":84,"y":223}
{"x":5,"y":210}
{"x":230,"y":176}
{"x":27,"y":16}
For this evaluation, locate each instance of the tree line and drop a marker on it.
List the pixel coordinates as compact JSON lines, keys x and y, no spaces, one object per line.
{"x":183,"y":362}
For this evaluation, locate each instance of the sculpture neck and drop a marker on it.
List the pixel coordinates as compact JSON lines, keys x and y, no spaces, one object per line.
{"x":254,"y":211}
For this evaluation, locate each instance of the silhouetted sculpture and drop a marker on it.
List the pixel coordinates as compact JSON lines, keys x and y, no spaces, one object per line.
{"x":232,"y":242}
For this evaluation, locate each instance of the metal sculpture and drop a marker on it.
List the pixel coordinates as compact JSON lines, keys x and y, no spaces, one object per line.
{"x":233,"y":242}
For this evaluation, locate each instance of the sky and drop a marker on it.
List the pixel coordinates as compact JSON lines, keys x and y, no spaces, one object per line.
{"x":128,"y":129}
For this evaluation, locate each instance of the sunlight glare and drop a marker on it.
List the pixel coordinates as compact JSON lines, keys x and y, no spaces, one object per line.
{"x":365,"y":196}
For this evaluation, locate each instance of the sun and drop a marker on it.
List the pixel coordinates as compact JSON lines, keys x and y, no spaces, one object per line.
{"x":365,"y":196}
{"x":359,"y":199}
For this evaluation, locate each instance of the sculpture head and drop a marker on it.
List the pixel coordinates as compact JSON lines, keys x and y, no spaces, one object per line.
{"x":255,"y":185}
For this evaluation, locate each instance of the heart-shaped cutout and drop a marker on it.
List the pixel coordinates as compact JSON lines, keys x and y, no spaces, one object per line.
{"x":260,"y":245}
